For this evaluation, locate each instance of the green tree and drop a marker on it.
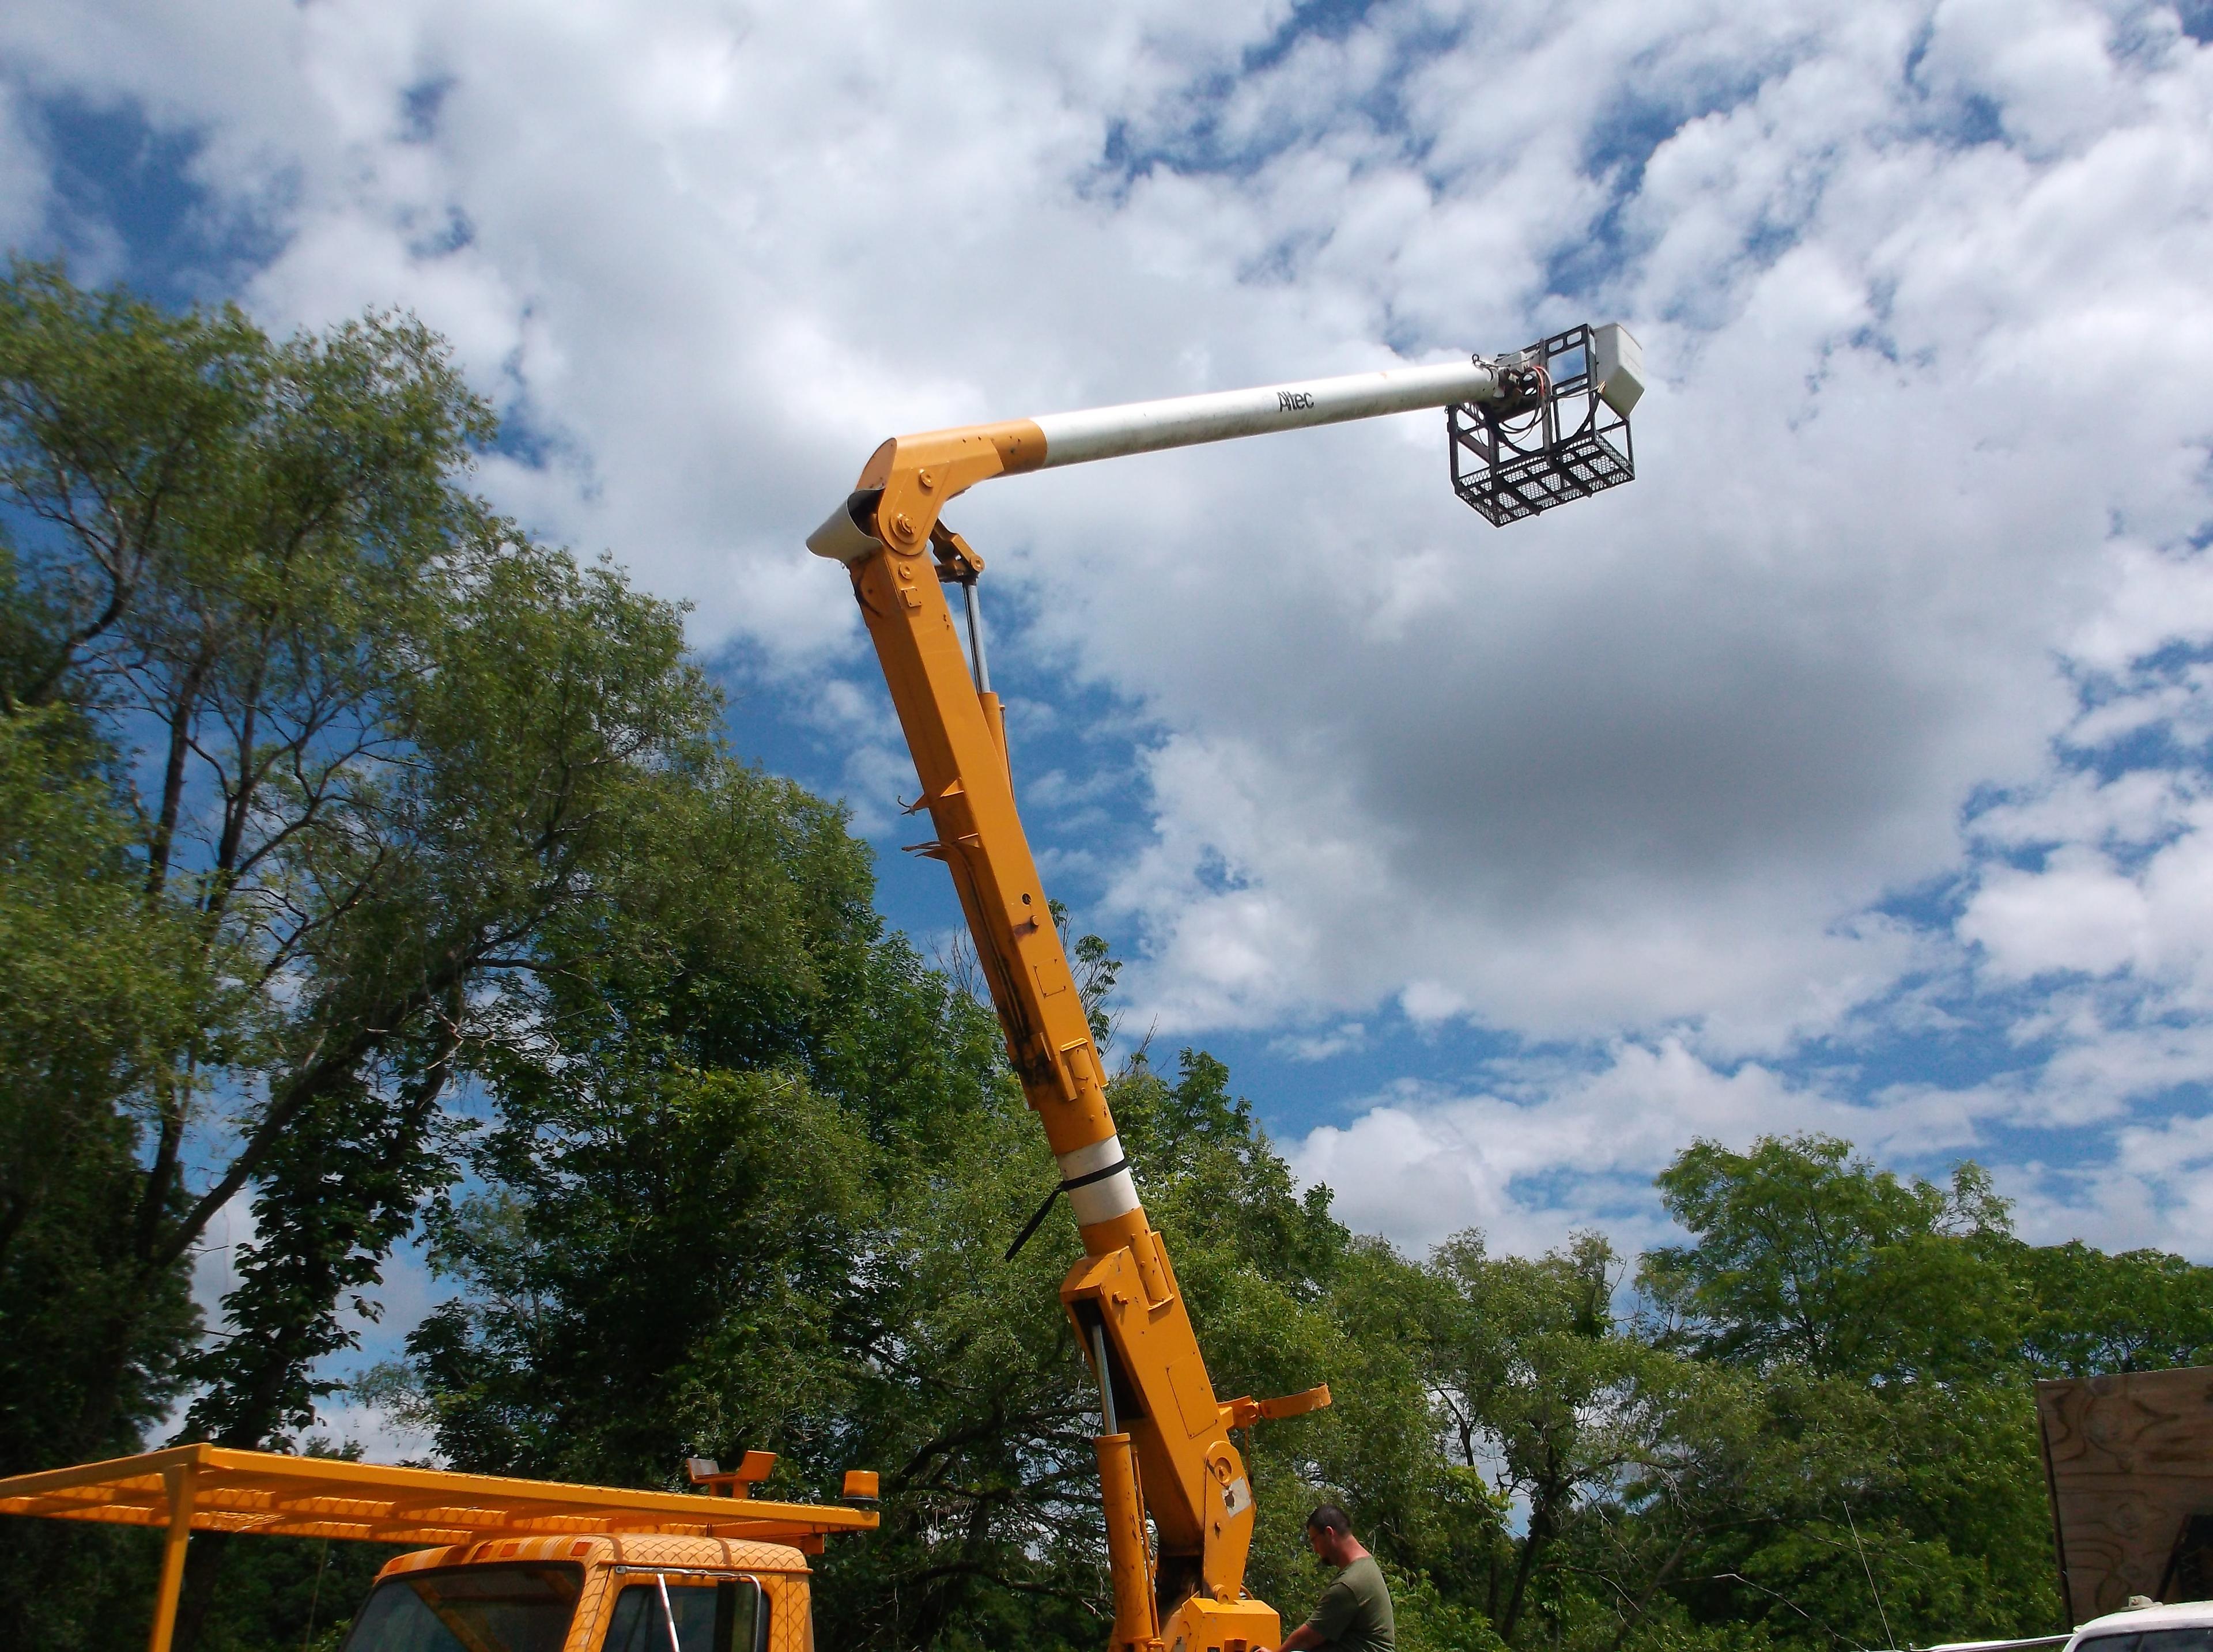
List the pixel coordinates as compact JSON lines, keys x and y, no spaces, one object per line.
{"x":372,"y":742}
{"x":1884,"y":1458}
{"x":1535,"y":1380}
{"x":234,"y":531}
{"x":1806,"y":1257}
{"x":2091,"y":1314}
{"x":91,"y":999}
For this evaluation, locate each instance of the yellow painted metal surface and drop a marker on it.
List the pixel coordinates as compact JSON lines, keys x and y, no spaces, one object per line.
{"x":259,"y":1491}
{"x":677,"y":1553}
{"x":1186,"y":1473}
{"x":780,"y":1569}
{"x":473,"y":1519}
{"x":1204,"y":1625}
{"x":1134,"y":1623}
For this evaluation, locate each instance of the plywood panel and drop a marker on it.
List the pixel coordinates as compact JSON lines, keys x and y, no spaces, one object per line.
{"x":2129,"y":1461}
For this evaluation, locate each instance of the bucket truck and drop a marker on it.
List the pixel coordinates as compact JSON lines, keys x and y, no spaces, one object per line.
{"x":1525,"y":432}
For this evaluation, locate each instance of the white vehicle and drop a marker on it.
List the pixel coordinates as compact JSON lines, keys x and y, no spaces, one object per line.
{"x":2187,"y":1626}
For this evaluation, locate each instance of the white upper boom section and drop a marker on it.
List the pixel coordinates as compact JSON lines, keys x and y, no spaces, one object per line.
{"x":1186,"y":421}
{"x":1616,"y":365}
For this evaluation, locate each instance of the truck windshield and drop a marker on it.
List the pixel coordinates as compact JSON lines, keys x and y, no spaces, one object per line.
{"x":470,"y":1609}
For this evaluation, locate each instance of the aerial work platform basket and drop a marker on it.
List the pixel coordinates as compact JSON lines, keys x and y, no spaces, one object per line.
{"x":205,"y":1488}
{"x":1568,"y":439}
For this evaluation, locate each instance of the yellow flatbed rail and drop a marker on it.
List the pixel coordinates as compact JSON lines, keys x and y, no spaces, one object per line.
{"x":205,"y":1488}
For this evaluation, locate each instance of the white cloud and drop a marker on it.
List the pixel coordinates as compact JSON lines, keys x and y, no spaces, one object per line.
{"x":1552,"y":1149}
{"x":1650,"y":759}
{"x":1655,"y":757}
{"x":2156,"y":1190}
{"x":2077,"y":914}
{"x":2152,"y":597}
{"x":1322,"y":1045}
{"x":24,"y":195}
{"x":215,"y":1262}
{"x":1548,"y":1148}
{"x":2082,"y":913}
{"x":1922,"y":290}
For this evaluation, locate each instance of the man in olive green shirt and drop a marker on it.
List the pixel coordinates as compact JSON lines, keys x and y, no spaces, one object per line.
{"x":1355,"y":1611}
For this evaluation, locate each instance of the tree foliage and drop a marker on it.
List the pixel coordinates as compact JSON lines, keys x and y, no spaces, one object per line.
{"x":358,"y":743}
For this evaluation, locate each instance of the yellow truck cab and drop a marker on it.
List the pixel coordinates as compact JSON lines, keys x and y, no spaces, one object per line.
{"x":515,"y":1566}
{"x":624,"y":1594}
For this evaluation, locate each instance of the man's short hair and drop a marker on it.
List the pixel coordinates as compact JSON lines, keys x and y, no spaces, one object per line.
{"x":1330,"y":1518}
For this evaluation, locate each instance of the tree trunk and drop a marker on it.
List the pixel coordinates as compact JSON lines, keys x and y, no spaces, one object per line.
{"x":1540,"y":1528}
{"x":203,"y":1564}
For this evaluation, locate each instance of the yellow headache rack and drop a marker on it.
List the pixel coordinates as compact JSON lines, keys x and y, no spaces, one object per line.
{"x":205,"y":1488}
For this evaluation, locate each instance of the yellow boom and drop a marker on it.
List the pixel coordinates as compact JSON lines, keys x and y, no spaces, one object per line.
{"x":1164,"y":1450}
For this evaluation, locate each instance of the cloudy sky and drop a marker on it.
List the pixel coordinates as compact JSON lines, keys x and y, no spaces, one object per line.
{"x":1848,"y":771}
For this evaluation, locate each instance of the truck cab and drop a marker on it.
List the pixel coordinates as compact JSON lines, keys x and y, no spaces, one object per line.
{"x":615,"y":1593}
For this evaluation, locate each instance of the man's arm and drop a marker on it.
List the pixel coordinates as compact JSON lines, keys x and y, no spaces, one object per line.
{"x":1304,"y":1638}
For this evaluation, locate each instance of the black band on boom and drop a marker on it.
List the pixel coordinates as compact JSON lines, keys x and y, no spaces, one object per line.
{"x":1067,"y":1187}
{"x":1075,"y":1182}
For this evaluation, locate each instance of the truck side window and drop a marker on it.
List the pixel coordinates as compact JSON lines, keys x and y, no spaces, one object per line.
{"x":711,"y":1617}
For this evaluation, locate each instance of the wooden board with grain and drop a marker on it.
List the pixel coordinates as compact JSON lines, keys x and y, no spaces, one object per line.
{"x":2128,"y":1461}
